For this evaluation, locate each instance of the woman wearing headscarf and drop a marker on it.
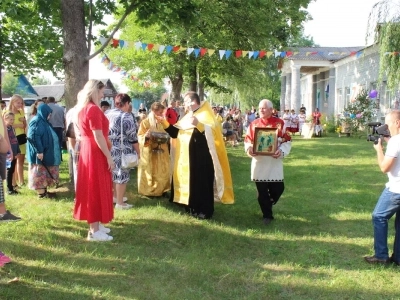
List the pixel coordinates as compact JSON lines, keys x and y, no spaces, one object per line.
{"x":43,"y":153}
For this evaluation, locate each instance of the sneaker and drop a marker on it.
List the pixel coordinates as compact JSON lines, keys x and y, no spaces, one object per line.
{"x":125,"y":206}
{"x":124,"y":199}
{"x":104,"y":229}
{"x":9,"y":217}
{"x":99,"y":236}
{"x":13,"y":192}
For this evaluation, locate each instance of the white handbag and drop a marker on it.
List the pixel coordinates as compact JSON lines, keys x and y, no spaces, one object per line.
{"x":128,"y":161}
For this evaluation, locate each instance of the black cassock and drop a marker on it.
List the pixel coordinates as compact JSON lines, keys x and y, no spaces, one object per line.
{"x":201,"y":172}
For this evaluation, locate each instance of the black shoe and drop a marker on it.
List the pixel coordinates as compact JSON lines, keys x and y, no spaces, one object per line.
{"x":267,"y":221}
{"x":391,"y":259}
{"x":13,"y":192}
{"x":47,"y":195}
{"x":374,"y":260}
{"x":9,"y":217}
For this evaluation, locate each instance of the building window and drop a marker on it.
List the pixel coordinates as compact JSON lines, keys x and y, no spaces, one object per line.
{"x":347,"y":97}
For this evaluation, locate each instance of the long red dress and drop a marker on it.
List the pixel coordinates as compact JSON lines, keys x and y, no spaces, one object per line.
{"x":93,"y":200}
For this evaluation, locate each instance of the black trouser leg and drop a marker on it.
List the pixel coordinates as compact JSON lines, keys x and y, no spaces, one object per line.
{"x":268,"y":194}
{"x":10,"y":173}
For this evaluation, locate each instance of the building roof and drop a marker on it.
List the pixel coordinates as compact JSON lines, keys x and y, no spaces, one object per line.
{"x":331,"y":54}
{"x":23,"y":87}
{"x":54,"y":90}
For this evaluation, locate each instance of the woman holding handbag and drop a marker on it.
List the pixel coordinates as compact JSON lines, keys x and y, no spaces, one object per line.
{"x":16,"y":106}
{"x":122,"y":134}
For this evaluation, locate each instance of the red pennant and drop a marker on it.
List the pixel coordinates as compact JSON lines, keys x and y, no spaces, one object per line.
{"x":289,"y":53}
{"x":353,"y":53}
{"x":203,"y":51}
{"x":262,"y":54}
{"x":238,"y":53}
{"x":315,"y":52}
{"x":115,"y":43}
{"x":176,"y":48}
{"x":150,"y":46}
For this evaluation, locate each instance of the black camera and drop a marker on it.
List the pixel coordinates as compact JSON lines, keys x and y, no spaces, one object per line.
{"x":378,"y":131}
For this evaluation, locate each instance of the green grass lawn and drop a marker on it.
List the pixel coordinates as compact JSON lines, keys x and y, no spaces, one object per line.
{"x":313,"y":249}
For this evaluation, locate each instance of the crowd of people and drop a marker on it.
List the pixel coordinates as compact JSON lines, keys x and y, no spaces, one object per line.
{"x":180,"y":154}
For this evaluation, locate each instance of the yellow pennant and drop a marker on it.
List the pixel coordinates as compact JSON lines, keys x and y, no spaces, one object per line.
{"x":269,"y":53}
{"x":210,"y":51}
{"x":244,"y":53}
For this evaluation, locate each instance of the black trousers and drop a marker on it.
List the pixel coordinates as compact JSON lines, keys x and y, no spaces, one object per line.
{"x":268,"y":194}
{"x":10,"y":173}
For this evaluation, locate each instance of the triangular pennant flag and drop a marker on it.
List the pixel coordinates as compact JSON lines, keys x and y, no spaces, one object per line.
{"x":359,"y":54}
{"x":121,"y":43}
{"x":103,"y":58}
{"x":102,"y":40}
{"x":115,"y":43}
{"x":353,"y":53}
{"x":277,"y":53}
{"x":168,"y":49}
{"x":117,"y":69}
{"x":238,"y":53}
{"x":176,"y":48}
{"x":210,"y":51}
{"x":315,"y":52}
{"x":308,"y":53}
{"x":269,"y":53}
{"x":183,"y":49}
{"x":189,"y":50}
{"x":228,"y":53}
{"x":295,"y":53}
{"x":343,"y":53}
{"x":262,"y":53}
{"x":289,"y":53}
{"x":106,"y":61}
{"x":161,"y":49}
{"x":320,"y":53}
{"x":138,"y":45}
{"x":283,"y":54}
{"x":156,"y":47}
{"x":251,"y":54}
{"x":244,"y":53}
{"x":203,"y":51}
{"x":111,"y":65}
{"x":150,"y":46}
{"x":221,"y":53}
{"x":256,"y":53}
{"x":144,"y":46}
{"x":197,"y":52}
{"x":330,"y":53}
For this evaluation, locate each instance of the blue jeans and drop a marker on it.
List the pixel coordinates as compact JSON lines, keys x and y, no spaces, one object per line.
{"x":388,"y":205}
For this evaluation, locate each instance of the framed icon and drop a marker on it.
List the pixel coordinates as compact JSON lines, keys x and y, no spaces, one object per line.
{"x":265,"y":140}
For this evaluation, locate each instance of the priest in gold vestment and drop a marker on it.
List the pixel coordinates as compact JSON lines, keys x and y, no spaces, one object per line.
{"x":201,"y":172}
{"x":154,"y":167}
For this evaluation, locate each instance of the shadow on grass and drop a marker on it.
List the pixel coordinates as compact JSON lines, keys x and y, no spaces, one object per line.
{"x":185,"y":260}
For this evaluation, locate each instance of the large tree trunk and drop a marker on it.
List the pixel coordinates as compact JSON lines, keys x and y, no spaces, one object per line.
{"x":192,"y":75}
{"x":201,"y":90}
{"x":176,"y":90}
{"x":76,"y":64}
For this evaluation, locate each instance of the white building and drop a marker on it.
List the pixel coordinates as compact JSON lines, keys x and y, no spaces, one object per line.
{"x":329,"y":78}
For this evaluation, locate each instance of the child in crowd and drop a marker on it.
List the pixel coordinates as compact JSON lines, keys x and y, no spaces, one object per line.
{"x":5,"y":215}
{"x":9,"y":120}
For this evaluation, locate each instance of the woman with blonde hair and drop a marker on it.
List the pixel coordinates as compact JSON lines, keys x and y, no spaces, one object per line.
{"x":154,"y":167}
{"x":93,"y":199}
{"x":16,"y":106}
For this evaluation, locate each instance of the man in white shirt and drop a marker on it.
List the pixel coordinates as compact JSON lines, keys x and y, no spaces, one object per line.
{"x":389,"y":201}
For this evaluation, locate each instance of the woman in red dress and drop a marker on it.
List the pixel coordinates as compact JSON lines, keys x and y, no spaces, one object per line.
{"x":94,"y":199}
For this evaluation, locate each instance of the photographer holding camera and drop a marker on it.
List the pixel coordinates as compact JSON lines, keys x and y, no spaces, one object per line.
{"x":389,"y":201}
